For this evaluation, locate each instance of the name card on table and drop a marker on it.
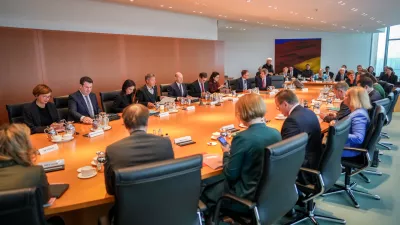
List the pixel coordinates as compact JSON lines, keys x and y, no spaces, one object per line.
{"x":96,"y":133}
{"x":48,"y":149}
{"x":163,"y":114}
{"x":228,"y":127}
{"x":190,"y":108}
{"x":213,"y":103}
{"x":182,"y":139}
{"x":235,"y":99}
{"x":58,"y":162}
{"x":318,"y":81}
{"x":305,"y":89}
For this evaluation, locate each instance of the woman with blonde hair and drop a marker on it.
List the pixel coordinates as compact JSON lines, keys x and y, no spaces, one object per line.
{"x":16,"y":161}
{"x":243,"y":159}
{"x":357,"y":100}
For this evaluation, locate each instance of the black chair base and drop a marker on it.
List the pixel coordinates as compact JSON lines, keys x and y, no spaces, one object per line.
{"x":385,"y":145}
{"x":350,"y":192}
{"x":310,"y":215}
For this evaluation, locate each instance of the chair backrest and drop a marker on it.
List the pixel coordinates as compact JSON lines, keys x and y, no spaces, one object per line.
{"x":394,"y":99}
{"x":252,"y":82}
{"x":232,"y":84}
{"x":386,"y":103}
{"x":22,"y":206}
{"x":388,"y":87}
{"x":164,"y":89}
{"x":277,"y":81}
{"x":107,"y":99}
{"x":62,"y":106}
{"x":15,"y":112}
{"x":165,"y":192}
{"x":374,"y":132}
{"x":277,"y":193}
{"x":330,"y":165}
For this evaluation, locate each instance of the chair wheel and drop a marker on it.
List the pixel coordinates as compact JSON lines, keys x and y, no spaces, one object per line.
{"x":357,"y":206}
{"x":377,"y":197}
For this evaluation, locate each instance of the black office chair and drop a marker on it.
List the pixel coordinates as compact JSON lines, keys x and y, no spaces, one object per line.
{"x":386,"y":103}
{"x":355,"y":165}
{"x":252,"y":82}
{"x":164,"y":89}
{"x":388,"y":87}
{"x":62,"y":106}
{"x":165,"y":192}
{"x":232,"y":84}
{"x":15,"y":112}
{"x":276,"y":192}
{"x":277,"y":81}
{"x":393,"y":97}
{"x":327,"y":174}
{"x":107,"y":99}
{"x":21,"y":207}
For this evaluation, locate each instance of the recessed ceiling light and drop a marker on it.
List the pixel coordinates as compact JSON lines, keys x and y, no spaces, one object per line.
{"x":295,"y":14}
{"x":225,"y":16}
{"x":262,"y":23}
{"x":248,"y":0}
{"x":364,"y":14}
{"x":357,"y":30}
{"x":372,"y":18}
{"x":323,"y":21}
{"x":291,"y":12}
{"x":200,"y":12}
{"x":132,"y":0}
{"x":194,"y":11}
{"x":334,"y":24}
{"x":240,"y":19}
{"x":170,"y":7}
{"x":226,"y":27}
{"x":275,"y":7}
{"x":384,"y":24}
{"x":343,"y":27}
{"x":245,"y":20}
{"x":161,"y":5}
{"x":354,"y":9}
{"x":219,"y":15}
{"x":311,"y":18}
{"x":379,"y":21}
{"x":351,"y":29}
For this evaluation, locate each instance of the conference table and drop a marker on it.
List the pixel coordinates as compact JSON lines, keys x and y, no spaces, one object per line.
{"x":199,"y":124}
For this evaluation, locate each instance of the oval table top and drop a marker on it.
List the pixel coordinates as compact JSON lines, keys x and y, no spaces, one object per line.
{"x":199,"y":124}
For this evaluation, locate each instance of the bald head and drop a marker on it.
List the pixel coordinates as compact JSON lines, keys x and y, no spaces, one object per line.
{"x":135,"y":117}
{"x":179,"y":77}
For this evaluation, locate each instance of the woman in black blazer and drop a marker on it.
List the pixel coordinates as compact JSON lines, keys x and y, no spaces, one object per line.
{"x":40,"y":113}
{"x":125,"y":98}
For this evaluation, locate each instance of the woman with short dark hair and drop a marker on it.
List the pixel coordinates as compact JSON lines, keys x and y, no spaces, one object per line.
{"x":213,"y":84}
{"x":126,"y":96}
{"x":41,"y":113}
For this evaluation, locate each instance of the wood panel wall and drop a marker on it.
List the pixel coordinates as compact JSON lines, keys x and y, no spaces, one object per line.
{"x":58,"y":59}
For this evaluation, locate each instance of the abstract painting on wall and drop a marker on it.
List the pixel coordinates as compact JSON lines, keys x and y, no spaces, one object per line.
{"x":298,"y":53}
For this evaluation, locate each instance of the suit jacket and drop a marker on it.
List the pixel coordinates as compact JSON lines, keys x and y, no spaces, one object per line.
{"x":392,"y":79}
{"x":32,"y":116}
{"x":195,"y":89}
{"x":174,"y":91}
{"x":342,"y":113}
{"x":120,"y":102}
{"x":243,"y":167}
{"x":77,"y":106}
{"x":15,"y":176}
{"x":307,"y":73}
{"x":239,"y":85}
{"x":139,"y":148}
{"x":330,"y":74}
{"x":358,"y":130}
{"x":305,"y":120}
{"x":144,"y":96}
{"x":374,"y":96}
{"x":338,"y":77}
{"x":259,"y":83}
{"x":295,"y":73}
{"x":351,"y":84}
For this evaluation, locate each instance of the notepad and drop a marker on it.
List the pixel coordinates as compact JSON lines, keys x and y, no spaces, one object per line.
{"x":214,"y":161}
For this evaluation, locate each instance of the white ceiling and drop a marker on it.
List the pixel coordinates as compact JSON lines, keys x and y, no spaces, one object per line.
{"x":303,"y":15}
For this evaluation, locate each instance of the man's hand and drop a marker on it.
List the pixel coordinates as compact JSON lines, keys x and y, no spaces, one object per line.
{"x":150,"y":105}
{"x":87,"y":120}
{"x":226,"y":148}
{"x":222,"y":86}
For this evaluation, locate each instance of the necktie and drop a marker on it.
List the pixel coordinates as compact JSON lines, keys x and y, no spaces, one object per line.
{"x":264,"y":84}
{"x":202,"y":87}
{"x":244,"y":84}
{"x":89,"y":106}
{"x":181,"y":89}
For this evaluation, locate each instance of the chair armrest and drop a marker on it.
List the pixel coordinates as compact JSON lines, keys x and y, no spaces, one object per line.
{"x":104,"y":220}
{"x":307,"y":170}
{"x":202,"y":206}
{"x":242,"y":201}
{"x":362,"y":150}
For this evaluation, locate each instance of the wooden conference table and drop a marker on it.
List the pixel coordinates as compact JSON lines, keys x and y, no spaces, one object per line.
{"x":199,"y":124}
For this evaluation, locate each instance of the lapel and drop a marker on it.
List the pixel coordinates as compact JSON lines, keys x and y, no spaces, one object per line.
{"x":149,"y":95}
{"x":176,"y":87}
{"x":83,"y":103}
{"x":35,"y":113}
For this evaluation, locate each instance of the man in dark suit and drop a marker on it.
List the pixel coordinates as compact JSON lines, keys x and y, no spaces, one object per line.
{"x":269,"y":67}
{"x":241,"y":83}
{"x":178,"y":88}
{"x":328,"y":73}
{"x":340,"y":90}
{"x":340,"y":76}
{"x":300,"y":120}
{"x":82,"y":105}
{"x":307,"y":73}
{"x":199,"y":86}
{"x":136,"y":149}
{"x":293,"y":72}
{"x":147,"y":95}
{"x":263,"y":82}
{"x":367,"y":83}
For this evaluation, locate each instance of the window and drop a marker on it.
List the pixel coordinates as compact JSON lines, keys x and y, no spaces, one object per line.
{"x":394,"y":32}
{"x":393,"y":56}
{"x":380,"y":56}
